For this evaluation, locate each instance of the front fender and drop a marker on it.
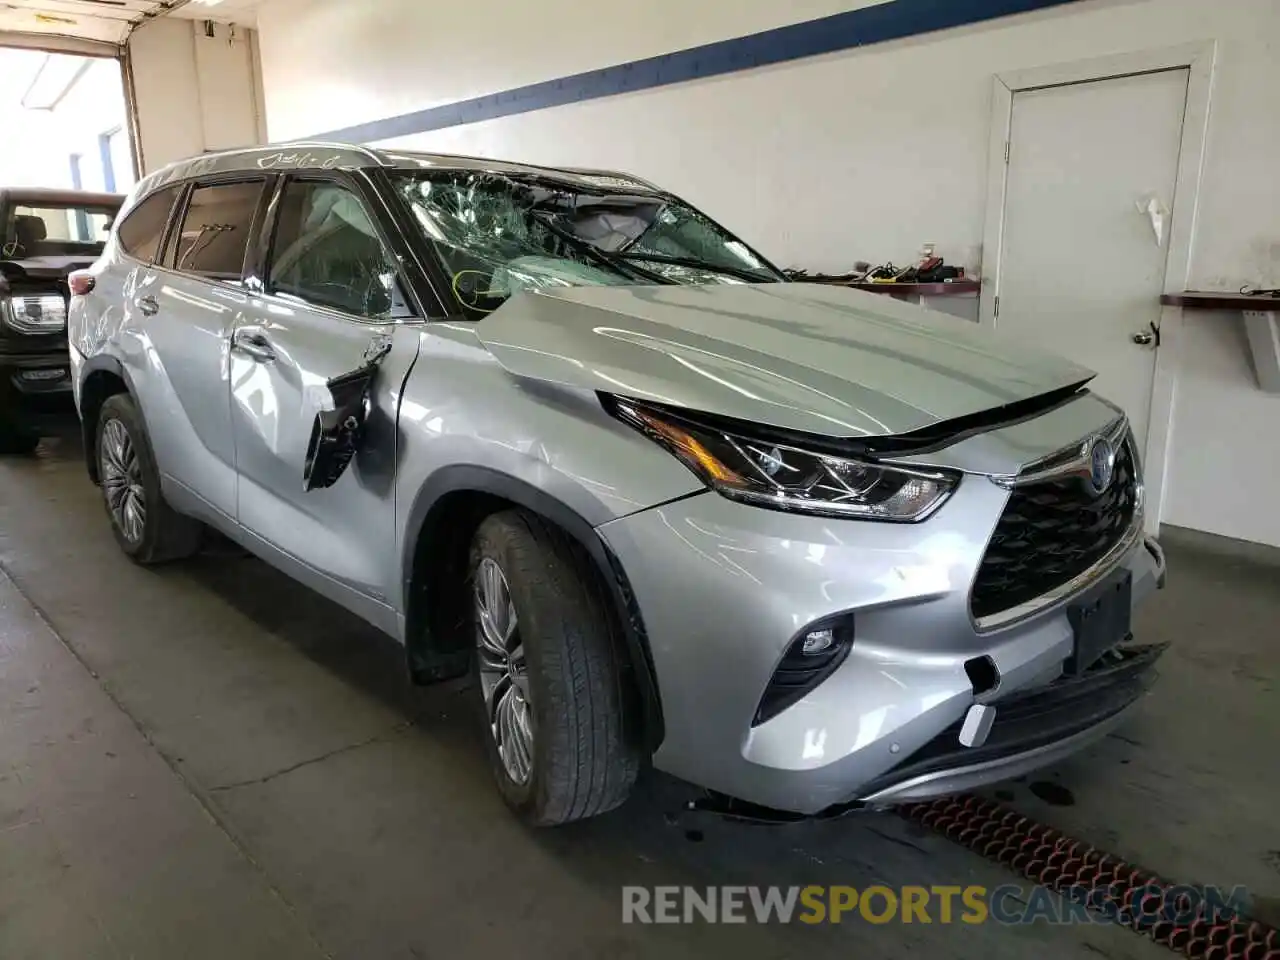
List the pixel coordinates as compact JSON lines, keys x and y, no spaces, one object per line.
{"x":427,"y":516}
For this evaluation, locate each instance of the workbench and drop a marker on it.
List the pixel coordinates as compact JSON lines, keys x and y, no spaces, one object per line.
{"x":1261,"y":316}
{"x":957,"y":297}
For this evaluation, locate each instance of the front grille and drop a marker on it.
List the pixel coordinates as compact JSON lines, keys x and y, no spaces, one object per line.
{"x":1050,"y":532}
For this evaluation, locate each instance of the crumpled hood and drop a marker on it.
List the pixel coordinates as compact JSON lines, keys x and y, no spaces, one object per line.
{"x":820,"y":359}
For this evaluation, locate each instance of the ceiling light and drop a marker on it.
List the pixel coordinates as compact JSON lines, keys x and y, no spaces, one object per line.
{"x":54,"y":77}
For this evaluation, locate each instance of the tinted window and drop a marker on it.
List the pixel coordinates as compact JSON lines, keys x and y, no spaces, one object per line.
{"x":142,"y":229}
{"x":29,"y":232}
{"x":215,"y":230}
{"x":327,"y":252}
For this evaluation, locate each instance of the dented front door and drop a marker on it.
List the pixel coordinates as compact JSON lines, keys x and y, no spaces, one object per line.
{"x":340,"y":538}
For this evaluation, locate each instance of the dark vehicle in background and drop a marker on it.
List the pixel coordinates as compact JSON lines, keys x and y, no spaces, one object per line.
{"x":44,"y":236}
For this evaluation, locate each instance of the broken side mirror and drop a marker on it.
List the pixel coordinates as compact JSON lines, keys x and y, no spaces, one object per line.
{"x":336,"y":433}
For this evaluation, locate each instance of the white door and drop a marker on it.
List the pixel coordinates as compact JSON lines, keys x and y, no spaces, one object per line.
{"x":1089,"y":190}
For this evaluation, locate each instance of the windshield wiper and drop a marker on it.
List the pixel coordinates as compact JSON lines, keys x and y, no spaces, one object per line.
{"x":695,"y":264}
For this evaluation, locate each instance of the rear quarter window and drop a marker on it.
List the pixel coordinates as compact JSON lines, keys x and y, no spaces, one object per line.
{"x":140,"y":232}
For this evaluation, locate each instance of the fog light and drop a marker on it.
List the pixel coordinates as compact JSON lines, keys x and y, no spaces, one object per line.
{"x":811,"y":656}
{"x":817,"y":641}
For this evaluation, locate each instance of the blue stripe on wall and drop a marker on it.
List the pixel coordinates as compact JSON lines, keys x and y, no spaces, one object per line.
{"x":893,"y":20}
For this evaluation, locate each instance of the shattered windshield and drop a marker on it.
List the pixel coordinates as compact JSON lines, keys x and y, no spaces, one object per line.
{"x":500,"y":234}
{"x":54,"y":230}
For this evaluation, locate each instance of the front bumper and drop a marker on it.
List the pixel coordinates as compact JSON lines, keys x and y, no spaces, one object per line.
{"x":722,"y":588}
{"x":38,"y":375}
{"x":33,"y":385}
{"x":1032,"y":729}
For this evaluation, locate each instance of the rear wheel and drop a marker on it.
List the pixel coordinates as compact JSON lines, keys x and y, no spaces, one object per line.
{"x":147,"y":529}
{"x":548,"y":673}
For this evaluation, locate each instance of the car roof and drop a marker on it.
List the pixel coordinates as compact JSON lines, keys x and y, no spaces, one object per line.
{"x":315,"y":155}
{"x":34,"y":196}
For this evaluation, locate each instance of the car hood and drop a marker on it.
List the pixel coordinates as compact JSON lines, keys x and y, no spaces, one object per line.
{"x":44,"y":268}
{"x":819,"y":359}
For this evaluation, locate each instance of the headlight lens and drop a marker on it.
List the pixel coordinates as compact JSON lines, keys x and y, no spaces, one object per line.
{"x":46,"y":313}
{"x":787,"y":478}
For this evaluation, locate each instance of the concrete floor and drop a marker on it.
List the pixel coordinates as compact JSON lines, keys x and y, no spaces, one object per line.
{"x":206,"y":760}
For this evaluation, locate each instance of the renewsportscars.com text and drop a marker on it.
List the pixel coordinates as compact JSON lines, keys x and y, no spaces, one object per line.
{"x":1007,"y":904}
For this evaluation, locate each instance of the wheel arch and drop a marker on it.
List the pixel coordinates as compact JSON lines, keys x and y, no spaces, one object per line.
{"x":445,"y":513}
{"x":103,"y":376}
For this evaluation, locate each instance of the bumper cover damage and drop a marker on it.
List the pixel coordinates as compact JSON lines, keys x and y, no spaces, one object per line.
{"x":884,"y":728}
{"x":1030,"y":729}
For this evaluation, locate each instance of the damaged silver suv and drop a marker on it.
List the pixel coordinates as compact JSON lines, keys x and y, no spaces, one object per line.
{"x":807,"y":547}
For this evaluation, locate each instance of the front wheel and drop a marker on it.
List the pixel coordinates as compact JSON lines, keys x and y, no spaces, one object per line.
{"x":548,"y":672}
{"x":147,"y":529}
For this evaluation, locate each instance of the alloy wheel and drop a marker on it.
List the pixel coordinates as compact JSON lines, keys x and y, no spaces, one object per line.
{"x":121,"y":473}
{"x":504,"y":673}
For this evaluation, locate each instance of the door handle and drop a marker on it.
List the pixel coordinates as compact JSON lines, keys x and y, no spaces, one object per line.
{"x":148,"y":306}
{"x":253,"y":343}
{"x":1144,"y":337}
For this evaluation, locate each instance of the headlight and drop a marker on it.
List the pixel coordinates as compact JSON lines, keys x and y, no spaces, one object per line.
{"x":784,"y":477}
{"x":46,"y":313}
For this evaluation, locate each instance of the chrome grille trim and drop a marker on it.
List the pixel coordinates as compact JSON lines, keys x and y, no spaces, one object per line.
{"x":1072,"y":463}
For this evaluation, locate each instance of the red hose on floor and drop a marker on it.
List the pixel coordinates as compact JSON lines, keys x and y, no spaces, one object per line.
{"x":1135,"y":897}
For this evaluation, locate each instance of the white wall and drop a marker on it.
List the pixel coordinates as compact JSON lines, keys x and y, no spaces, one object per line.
{"x":193,"y":92}
{"x":858,"y":155}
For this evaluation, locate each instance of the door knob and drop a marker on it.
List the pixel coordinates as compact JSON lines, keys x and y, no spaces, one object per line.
{"x":1148,"y":336}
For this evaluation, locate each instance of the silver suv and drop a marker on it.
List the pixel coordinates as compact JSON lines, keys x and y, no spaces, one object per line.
{"x":807,"y":547}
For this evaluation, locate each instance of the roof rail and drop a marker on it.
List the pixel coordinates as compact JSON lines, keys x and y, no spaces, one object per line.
{"x":617,"y":174}
{"x":376,"y":156}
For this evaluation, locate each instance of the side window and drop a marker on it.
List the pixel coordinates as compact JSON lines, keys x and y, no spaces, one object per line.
{"x":326,"y":252}
{"x":140,"y":232}
{"x":215,"y":230}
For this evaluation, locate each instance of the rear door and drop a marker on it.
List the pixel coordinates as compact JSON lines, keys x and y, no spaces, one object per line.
{"x":330,"y":289}
{"x":180,"y":298}
{"x":188,"y":305}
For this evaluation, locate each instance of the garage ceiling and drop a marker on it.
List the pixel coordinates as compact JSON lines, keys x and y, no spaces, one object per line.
{"x":107,"y":21}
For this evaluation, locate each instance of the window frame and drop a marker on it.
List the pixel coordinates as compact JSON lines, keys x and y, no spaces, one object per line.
{"x":178,"y":216}
{"x":385,"y":228}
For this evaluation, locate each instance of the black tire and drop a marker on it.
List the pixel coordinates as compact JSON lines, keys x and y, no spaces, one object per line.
{"x":164,"y":533}
{"x":583,"y":763}
{"x":16,"y":438}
